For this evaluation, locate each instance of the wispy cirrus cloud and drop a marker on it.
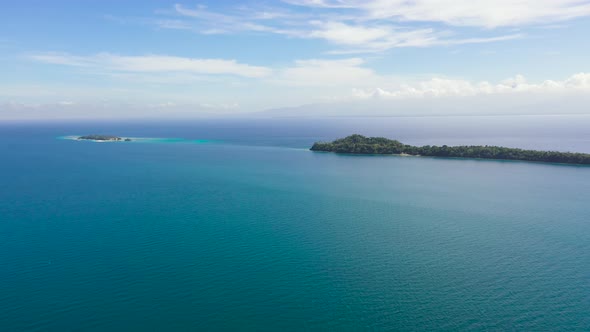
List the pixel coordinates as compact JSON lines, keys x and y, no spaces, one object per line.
{"x":366,"y":39}
{"x":164,"y":69}
{"x":154,"y":64}
{"x":481,"y":13}
{"x":241,"y":20}
{"x":350,"y":27}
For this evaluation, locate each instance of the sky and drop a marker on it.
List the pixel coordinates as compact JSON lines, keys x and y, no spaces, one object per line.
{"x":151,"y":58}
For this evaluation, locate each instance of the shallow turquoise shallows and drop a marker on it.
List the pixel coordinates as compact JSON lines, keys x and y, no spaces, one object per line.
{"x":238,"y":227}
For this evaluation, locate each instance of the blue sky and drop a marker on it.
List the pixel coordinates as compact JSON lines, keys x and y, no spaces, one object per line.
{"x":107,"y":58}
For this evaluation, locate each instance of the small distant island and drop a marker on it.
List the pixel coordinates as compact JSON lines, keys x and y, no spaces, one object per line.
{"x":358,"y":144}
{"x":104,"y":138}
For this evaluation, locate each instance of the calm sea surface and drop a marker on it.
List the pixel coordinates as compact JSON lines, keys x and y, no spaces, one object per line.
{"x":239,"y":227}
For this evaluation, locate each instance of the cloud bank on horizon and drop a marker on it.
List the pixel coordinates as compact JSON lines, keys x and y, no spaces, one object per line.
{"x":193,"y":59}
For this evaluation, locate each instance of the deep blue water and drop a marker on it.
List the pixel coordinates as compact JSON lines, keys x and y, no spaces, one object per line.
{"x":247,"y":230}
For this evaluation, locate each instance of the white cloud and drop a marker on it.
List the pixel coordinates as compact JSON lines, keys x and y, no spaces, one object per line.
{"x":333,"y":76}
{"x":154,"y":64}
{"x":358,"y":32}
{"x":379,"y":38}
{"x":186,"y":81}
{"x":360,"y":39}
{"x":345,"y":34}
{"x":479,"y":13}
{"x":315,"y":80}
{"x":217,"y":23}
{"x":441,"y":87}
{"x":578,"y":81}
{"x":154,"y":69}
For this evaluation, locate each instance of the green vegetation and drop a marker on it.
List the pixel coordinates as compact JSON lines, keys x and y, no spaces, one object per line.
{"x":358,"y":144}
{"x":103,"y":138}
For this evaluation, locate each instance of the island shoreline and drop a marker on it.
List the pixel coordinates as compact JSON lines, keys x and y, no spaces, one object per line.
{"x":379,"y":146}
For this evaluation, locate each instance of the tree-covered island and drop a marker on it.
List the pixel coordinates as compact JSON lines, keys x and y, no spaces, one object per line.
{"x":103,"y":138}
{"x":358,"y":144}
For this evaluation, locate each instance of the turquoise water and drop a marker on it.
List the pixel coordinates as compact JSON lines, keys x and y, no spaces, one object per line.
{"x":248,"y":230}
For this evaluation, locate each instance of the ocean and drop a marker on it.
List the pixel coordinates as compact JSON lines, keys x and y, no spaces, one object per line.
{"x":233,"y":224}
